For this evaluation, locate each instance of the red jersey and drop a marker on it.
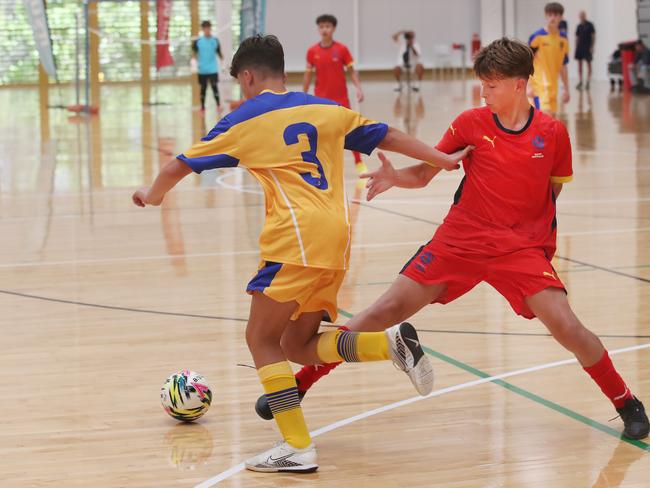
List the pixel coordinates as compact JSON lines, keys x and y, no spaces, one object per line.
{"x":330,"y":63}
{"x":505,"y":202}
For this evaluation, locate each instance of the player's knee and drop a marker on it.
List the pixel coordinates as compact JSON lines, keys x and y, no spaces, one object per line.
{"x":570,"y":333}
{"x":292,"y":346}
{"x":388,"y":309}
{"x":257,"y":335}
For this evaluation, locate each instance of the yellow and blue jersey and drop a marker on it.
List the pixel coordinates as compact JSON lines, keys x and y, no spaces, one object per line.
{"x":293,"y":144}
{"x":551,"y":54}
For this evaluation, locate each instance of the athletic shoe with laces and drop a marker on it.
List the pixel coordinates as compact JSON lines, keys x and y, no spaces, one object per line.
{"x":634,"y":418}
{"x":283,"y":458}
{"x":262,"y":406}
{"x":407,"y":355}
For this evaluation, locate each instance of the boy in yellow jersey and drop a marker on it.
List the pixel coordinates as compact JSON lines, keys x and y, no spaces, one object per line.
{"x":551,"y":48}
{"x":293,"y":144}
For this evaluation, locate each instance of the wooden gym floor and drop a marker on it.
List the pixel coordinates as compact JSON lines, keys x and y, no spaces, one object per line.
{"x":101,"y":301}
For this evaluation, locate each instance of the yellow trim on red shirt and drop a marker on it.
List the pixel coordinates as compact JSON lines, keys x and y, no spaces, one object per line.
{"x":561,"y":179}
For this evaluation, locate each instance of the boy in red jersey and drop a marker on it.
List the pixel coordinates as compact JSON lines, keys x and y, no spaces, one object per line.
{"x":330,"y":60}
{"x":501,"y":228}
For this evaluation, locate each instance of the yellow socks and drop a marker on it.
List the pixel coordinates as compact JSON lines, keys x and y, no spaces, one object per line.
{"x":352,"y":347}
{"x":282,"y":394}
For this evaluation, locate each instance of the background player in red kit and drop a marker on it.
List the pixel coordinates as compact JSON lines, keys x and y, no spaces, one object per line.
{"x":501,"y":228}
{"x":330,"y":60}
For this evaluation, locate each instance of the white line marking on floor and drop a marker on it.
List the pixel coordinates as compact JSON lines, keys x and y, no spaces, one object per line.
{"x":392,"y":406}
{"x":76,"y":262}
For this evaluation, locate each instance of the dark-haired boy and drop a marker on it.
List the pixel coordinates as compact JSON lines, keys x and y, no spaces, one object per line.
{"x":551,"y":48}
{"x":501,"y":228}
{"x":329,"y":60}
{"x":293,"y":143}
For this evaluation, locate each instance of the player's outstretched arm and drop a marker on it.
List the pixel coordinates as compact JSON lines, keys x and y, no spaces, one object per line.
{"x":306,"y":80}
{"x":354,"y":76}
{"x":171,"y":174}
{"x":387,"y":176}
{"x":564,"y":75}
{"x":398,"y":141}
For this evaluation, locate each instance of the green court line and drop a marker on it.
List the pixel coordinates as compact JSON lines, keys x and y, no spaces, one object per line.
{"x":347,"y":315}
{"x":538,"y":399}
{"x":529,"y":395}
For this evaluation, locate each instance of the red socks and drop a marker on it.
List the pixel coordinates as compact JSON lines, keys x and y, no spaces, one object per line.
{"x":609,"y":381}
{"x":311,"y":373}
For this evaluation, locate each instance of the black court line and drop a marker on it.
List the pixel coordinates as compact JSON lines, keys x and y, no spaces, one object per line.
{"x":571,"y":260}
{"x":601,"y":216}
{"x":602,"y":268}
{"x":123,"y":309}
{"x":515,"y":334}
{"x":234,"y":319}
{"x":523,"y":334}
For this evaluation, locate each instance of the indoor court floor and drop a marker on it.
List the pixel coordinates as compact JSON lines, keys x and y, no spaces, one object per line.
{"x":102,"y":300}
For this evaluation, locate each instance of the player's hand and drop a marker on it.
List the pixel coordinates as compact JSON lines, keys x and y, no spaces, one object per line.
{"x":381,"y":179}
{"x":566,"y":96}
{"x":359,"y":95}
{"x":459,"y":156}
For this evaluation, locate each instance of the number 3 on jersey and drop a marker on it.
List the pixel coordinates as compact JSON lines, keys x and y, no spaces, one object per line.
{"x":291,"y":134}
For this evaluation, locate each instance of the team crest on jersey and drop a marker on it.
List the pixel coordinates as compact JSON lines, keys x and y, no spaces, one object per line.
{"x":538,"y":142}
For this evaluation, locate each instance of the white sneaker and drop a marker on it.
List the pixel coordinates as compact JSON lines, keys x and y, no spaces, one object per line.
{"x":283,"y":458}
{"x":407,"y":354}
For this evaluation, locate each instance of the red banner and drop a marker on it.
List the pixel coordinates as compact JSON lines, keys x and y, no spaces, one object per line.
{"x":163,"y":56}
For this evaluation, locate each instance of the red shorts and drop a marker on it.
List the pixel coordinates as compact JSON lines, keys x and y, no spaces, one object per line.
{"x":515,"y":276}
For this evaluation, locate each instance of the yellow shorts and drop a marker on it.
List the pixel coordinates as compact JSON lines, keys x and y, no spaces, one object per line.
{"x":314,"y":289}
{"x":546,"y":99}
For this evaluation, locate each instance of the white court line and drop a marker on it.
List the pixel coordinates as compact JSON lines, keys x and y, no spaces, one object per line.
{"x":392,"y":406}
{"x":70,"y":262}
{"x":445,"y":176}
{"x":33,"y":264}
{"x":448,"y":201}
{"x":79,"y":262}
{"x":603,"y":232}
{"x":128,"y":191}
{"x":225,"y":174}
